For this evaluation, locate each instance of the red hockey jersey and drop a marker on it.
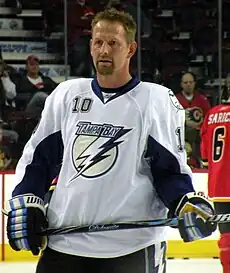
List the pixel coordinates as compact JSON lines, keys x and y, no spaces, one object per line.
{"x":198,"y":101}
{"x":215,"y":151}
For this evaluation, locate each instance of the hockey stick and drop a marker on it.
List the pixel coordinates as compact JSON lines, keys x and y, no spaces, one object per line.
{"x":173,"y":222}
{"x":113,"y":226}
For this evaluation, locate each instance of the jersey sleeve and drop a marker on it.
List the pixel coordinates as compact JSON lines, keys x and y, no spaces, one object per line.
{"x":42,"y":155}
{"x":166,"y":150}
{"x":204,"y":142}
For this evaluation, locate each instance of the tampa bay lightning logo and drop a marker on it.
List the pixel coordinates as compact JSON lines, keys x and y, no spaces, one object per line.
{"x":95,"y":148}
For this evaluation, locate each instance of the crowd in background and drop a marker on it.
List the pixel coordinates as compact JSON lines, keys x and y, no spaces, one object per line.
{"x":22,"y":99}
{"x":22,"y":95}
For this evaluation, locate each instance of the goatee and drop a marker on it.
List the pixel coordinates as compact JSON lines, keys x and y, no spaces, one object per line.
{"x":104,"y":70}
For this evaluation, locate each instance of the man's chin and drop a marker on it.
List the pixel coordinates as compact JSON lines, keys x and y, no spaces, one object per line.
{"x":105,"y":71}
{"x":188,"y":93}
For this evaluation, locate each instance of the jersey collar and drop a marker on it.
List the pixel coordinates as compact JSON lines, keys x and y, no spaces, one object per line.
{"x":118,"y":91}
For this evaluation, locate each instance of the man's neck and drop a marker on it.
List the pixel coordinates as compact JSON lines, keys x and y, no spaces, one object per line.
{"x":33,"y":76}
{"x":113,"y":81}
{"x":188,"y":96}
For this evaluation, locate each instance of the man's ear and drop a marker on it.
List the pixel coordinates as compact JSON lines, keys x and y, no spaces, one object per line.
{"x":132,"y":49}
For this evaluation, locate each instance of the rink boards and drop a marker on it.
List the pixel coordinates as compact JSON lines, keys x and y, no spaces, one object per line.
{"x":176,"y":248}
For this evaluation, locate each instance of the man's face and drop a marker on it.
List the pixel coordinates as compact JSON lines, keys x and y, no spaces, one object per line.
{"x":109,"y":48}
{"x":33,"y":67}
{"x":188,"y":84}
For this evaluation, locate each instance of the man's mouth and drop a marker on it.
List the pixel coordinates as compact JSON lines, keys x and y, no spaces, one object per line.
{"x":105,"y":61}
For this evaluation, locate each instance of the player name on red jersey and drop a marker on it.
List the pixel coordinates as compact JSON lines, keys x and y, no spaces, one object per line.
{"x":219,"y":118}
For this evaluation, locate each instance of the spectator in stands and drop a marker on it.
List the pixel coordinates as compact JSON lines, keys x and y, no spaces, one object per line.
{"x":196,"y":106}
{"x":5,"y":155}
{"x":53,"y":16}
{"x":33,"y":88}
{"x":7,"y":99}
{"x":79,"y":17}
{"x":192,"y":100}
{"x":7,"y":91}
{"x":79,"y":34}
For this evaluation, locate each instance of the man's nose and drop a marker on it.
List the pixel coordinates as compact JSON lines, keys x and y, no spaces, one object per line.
{"x":105,"y":48}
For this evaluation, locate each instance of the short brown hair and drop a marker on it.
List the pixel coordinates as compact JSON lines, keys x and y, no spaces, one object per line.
{"x":122,"y":17}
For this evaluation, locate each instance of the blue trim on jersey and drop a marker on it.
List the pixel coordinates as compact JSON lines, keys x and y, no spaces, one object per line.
{"x":44,"y":167}
{"x":119,"y":91}
{"x":169,"y":182}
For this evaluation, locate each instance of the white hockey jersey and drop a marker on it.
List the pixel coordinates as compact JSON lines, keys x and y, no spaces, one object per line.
{"x":122,"y":159}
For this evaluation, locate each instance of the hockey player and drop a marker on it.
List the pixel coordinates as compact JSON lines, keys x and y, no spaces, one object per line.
{"x":215,"y":151}
{"x":120,"y":143}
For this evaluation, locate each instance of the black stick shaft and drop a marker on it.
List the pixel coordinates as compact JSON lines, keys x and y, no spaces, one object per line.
{"x":173,"y":222}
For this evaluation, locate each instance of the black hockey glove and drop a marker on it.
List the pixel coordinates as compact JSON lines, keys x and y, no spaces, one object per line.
{"x":192,"y":211}
{"x":26,"y":218}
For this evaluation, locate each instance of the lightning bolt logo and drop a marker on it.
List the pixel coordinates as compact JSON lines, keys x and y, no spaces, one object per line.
{"x":97,"y":156}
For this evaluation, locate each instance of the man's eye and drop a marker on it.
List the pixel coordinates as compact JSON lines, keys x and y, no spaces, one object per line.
{"x":98,"y":42}
{"x":111,"y":43}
